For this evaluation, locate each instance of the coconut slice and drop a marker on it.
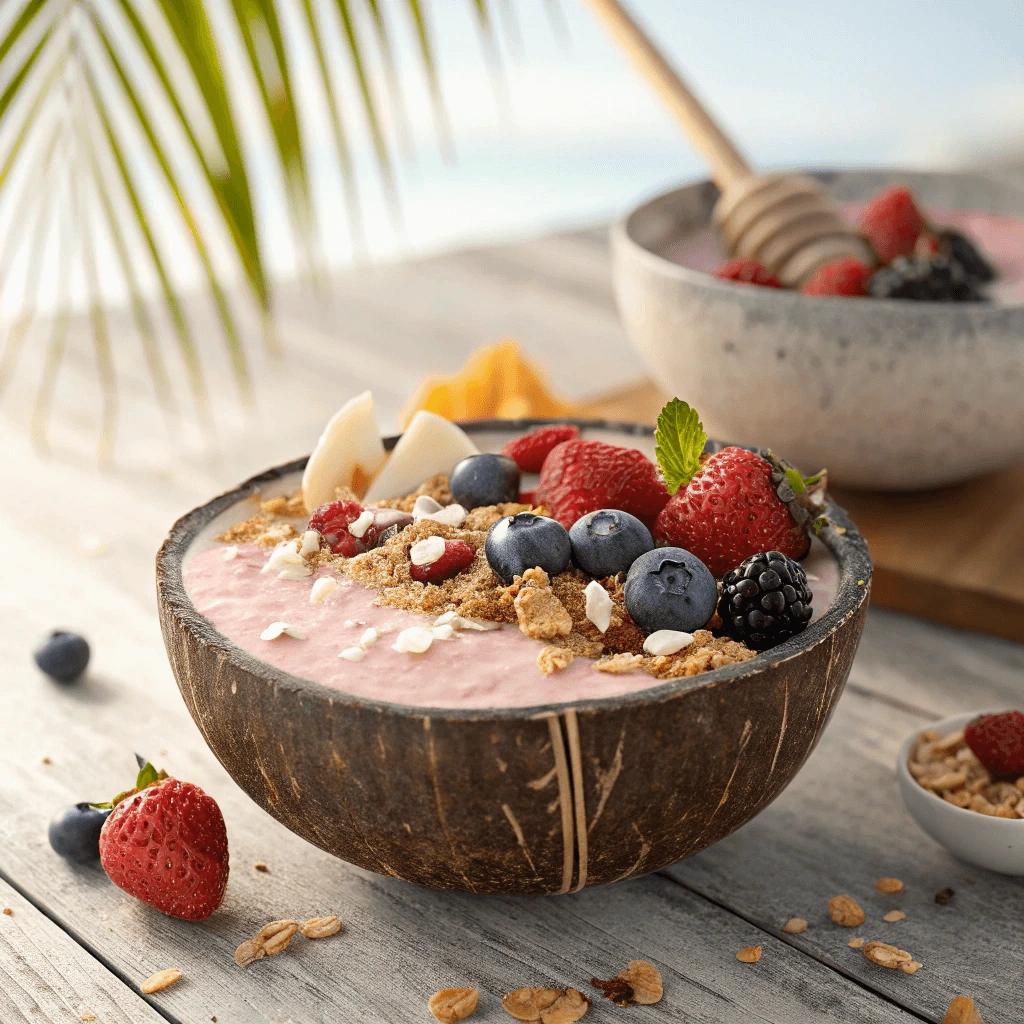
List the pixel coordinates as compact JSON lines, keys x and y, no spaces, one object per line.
{"x":430,"y":445}
{"x":348,"y":454}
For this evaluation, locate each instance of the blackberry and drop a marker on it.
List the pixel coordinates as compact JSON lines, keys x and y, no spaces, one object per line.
{"x":957,"y":246}
{"x":765,"y":600}
{"x":925,"y":279}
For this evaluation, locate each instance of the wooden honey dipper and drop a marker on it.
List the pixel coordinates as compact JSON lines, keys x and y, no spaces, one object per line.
{"x":787,"y":222}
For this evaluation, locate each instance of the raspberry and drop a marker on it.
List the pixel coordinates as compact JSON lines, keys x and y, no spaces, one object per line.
{"x":848,"y":276}
{"x":529,"y":451}
{"x":332,"y":521}
{"x":458,"y":555}
{"x":747,"y":272}
{"x":891,"y":223}
{"x":998,"y":742}
{"x":730,"y":511}
{"x":583,"y":476}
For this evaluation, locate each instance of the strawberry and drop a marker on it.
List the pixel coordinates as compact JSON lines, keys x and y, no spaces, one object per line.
{"x":998,"y":742}
{"x":529,"y":451}
{"x":891,"y":222}
{"x":583,"y":476}
{"x":458,"y":555}
{"x":332,"y":521}
{"x":747,"y":272}
{"x":165,"y":844}
{"x":727,"y":506}
{"x":848,"y":276}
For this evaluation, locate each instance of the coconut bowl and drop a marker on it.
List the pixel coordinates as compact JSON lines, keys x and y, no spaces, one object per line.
{"x":889,"y":394}
{"x":535,"y":800}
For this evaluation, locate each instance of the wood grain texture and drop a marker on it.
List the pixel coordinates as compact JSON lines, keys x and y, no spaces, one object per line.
{"x":46,"y":976}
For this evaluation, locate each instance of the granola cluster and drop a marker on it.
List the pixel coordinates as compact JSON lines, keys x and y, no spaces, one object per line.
{"x":949,"y":768}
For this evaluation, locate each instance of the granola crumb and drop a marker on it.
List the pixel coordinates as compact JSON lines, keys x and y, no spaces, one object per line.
{"x":962,"y":1010}
{"x":855,"y":943}
{"x":8,"y":911}
{"x":451,"y":1005}
{"x":161,"y":980}
{"x":794,"y":926}
{"x":46,"y":760}
{"x":749,"y":954}
{"x":541,"y":615}
{"x":944,"y":896}
{"x":889,"y":885}
{"x":886,"y":955}
{"x":553,"y":659}
{"x":894,"y":915}
{"x":85,"y":1014}
{"x":616,"y":664}
{"x":705,"y":653}
{"x":845,"y":911}
{"x":912,"y":968}
{"x":260,"y":866}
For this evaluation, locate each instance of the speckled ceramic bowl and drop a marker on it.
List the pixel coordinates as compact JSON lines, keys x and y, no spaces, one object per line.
{"x":888,"y":394}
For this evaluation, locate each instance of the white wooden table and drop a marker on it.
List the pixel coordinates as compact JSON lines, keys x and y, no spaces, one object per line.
{"x":75,"y":945}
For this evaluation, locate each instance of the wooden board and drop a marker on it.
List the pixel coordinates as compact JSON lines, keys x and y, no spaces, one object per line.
{"x":839,"y":826}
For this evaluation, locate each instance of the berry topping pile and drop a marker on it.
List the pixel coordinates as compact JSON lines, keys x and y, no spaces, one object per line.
{"x":484,"y":480}
{"x":747,"y":272}
{"x":998,"y":742}
{"x":332,"y":521}
{"x":529,"y":451}
{"x":669,"y":588}
{"x":608,"y":542}
{"x":765,"y":600}
{"x":527,"y":541}
{"x":915,"y":259}
{"x":165,"y":843}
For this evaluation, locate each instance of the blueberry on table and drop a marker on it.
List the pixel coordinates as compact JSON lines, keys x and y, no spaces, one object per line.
{"x":765,"y":600}
{"x":527,"y":541}
{"x":75,"y":832}
{"x":670,"y":588}
{"x":484,"y":480}
{"x":608,"y":541}
{"x":63,"y":656}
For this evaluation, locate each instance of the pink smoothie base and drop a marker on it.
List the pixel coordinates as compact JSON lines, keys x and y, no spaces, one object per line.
{"x":472,"y":669}
{"x":1000,"y":238}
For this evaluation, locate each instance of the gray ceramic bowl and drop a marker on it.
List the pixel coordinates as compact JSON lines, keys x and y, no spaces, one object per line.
{"x":887,"y":394}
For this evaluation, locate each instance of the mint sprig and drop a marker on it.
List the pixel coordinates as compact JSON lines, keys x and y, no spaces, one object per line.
{"x":680,"y":442}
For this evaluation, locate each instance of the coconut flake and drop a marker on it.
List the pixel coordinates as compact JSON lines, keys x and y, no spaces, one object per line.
{"x":443,"y":632}
{"x":456,"y":621}
{"x":599,"y":605}
{"x":353,"y":654}
{"x":667,"y":641}
{"x":426,"y":551}
{"x":425,"y":506}
{"x":276,"y":629}
{"x":360,"y":525}
{"x":321,"y":589}
{"x":370,"y":636}
{"x":310,"y":543}
{"x":414,"y":640}
{"x":286,"y":562}
{"x":231,"y":552}
{"x":451,"y":515}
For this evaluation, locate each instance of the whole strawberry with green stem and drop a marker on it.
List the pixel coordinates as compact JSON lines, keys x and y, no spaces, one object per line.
{"x":733,"y":503}
{"x":165,"y":843}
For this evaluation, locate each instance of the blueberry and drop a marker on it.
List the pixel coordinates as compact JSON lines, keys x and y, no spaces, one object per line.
{"x":75,"y":832}
{"x":668,"y":588}
{"x":63,"y":656}
{"x":608,"y":541}
{"x":484,"y":480}
{"x":525,"y":541}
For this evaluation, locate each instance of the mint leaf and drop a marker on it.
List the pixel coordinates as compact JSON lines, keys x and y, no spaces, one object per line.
{"x":147,"y":776}
{"x":680,"y":441}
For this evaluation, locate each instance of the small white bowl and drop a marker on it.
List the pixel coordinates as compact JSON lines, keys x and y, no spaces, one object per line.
{"x":993,"y":843}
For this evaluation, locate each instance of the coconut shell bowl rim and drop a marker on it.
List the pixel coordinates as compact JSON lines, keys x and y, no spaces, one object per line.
{"x":849,"y":550}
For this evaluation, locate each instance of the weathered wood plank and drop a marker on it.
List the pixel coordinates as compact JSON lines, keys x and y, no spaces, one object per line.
{"x":401,"y":941}
{"x":46,"y":976}
{"x":840,"y":826}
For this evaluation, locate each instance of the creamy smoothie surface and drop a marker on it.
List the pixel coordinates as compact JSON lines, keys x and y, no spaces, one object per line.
{"x":1001,"y":239}
{"x":470,"y":669}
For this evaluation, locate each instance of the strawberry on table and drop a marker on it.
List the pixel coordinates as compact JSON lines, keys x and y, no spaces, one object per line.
{"x":583,"y":476}
{"x":165,"y":843}
{"x":998,"y":742}
{"x":726,"y":507}
{"x":529,"y":451}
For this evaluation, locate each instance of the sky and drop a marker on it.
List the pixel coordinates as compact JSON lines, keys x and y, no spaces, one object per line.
{"x":568,"y":134}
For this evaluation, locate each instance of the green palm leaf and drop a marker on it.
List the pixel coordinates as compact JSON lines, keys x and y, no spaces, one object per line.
{"x":129,"y":108}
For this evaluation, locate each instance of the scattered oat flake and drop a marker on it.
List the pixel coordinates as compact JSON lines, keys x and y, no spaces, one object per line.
{"x":638,"y":984}
{"x":260,"y":866}
{"x":276,"y":629}
{"x":962,"y":1011}
{"x":895,"y":915}
{"x":794,"y":926}
{"x":453,"y":1004}
{"x":547,"y":1005}
{"x":845,"y":911}
{"x":912,"y":968}
{"x":321,"y":927}
{"x":944,"y":896}
{"x":886,"y":955}
{"x":249,"y":952}
{"x":161,"y":980}
{"x":855,"y":943}
{"x":276,"y":936}
{"x":749,"y":954}
{"x":889,"y":885}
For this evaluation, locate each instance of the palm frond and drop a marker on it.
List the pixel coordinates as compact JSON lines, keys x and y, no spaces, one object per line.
{"x":136,"y":109}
